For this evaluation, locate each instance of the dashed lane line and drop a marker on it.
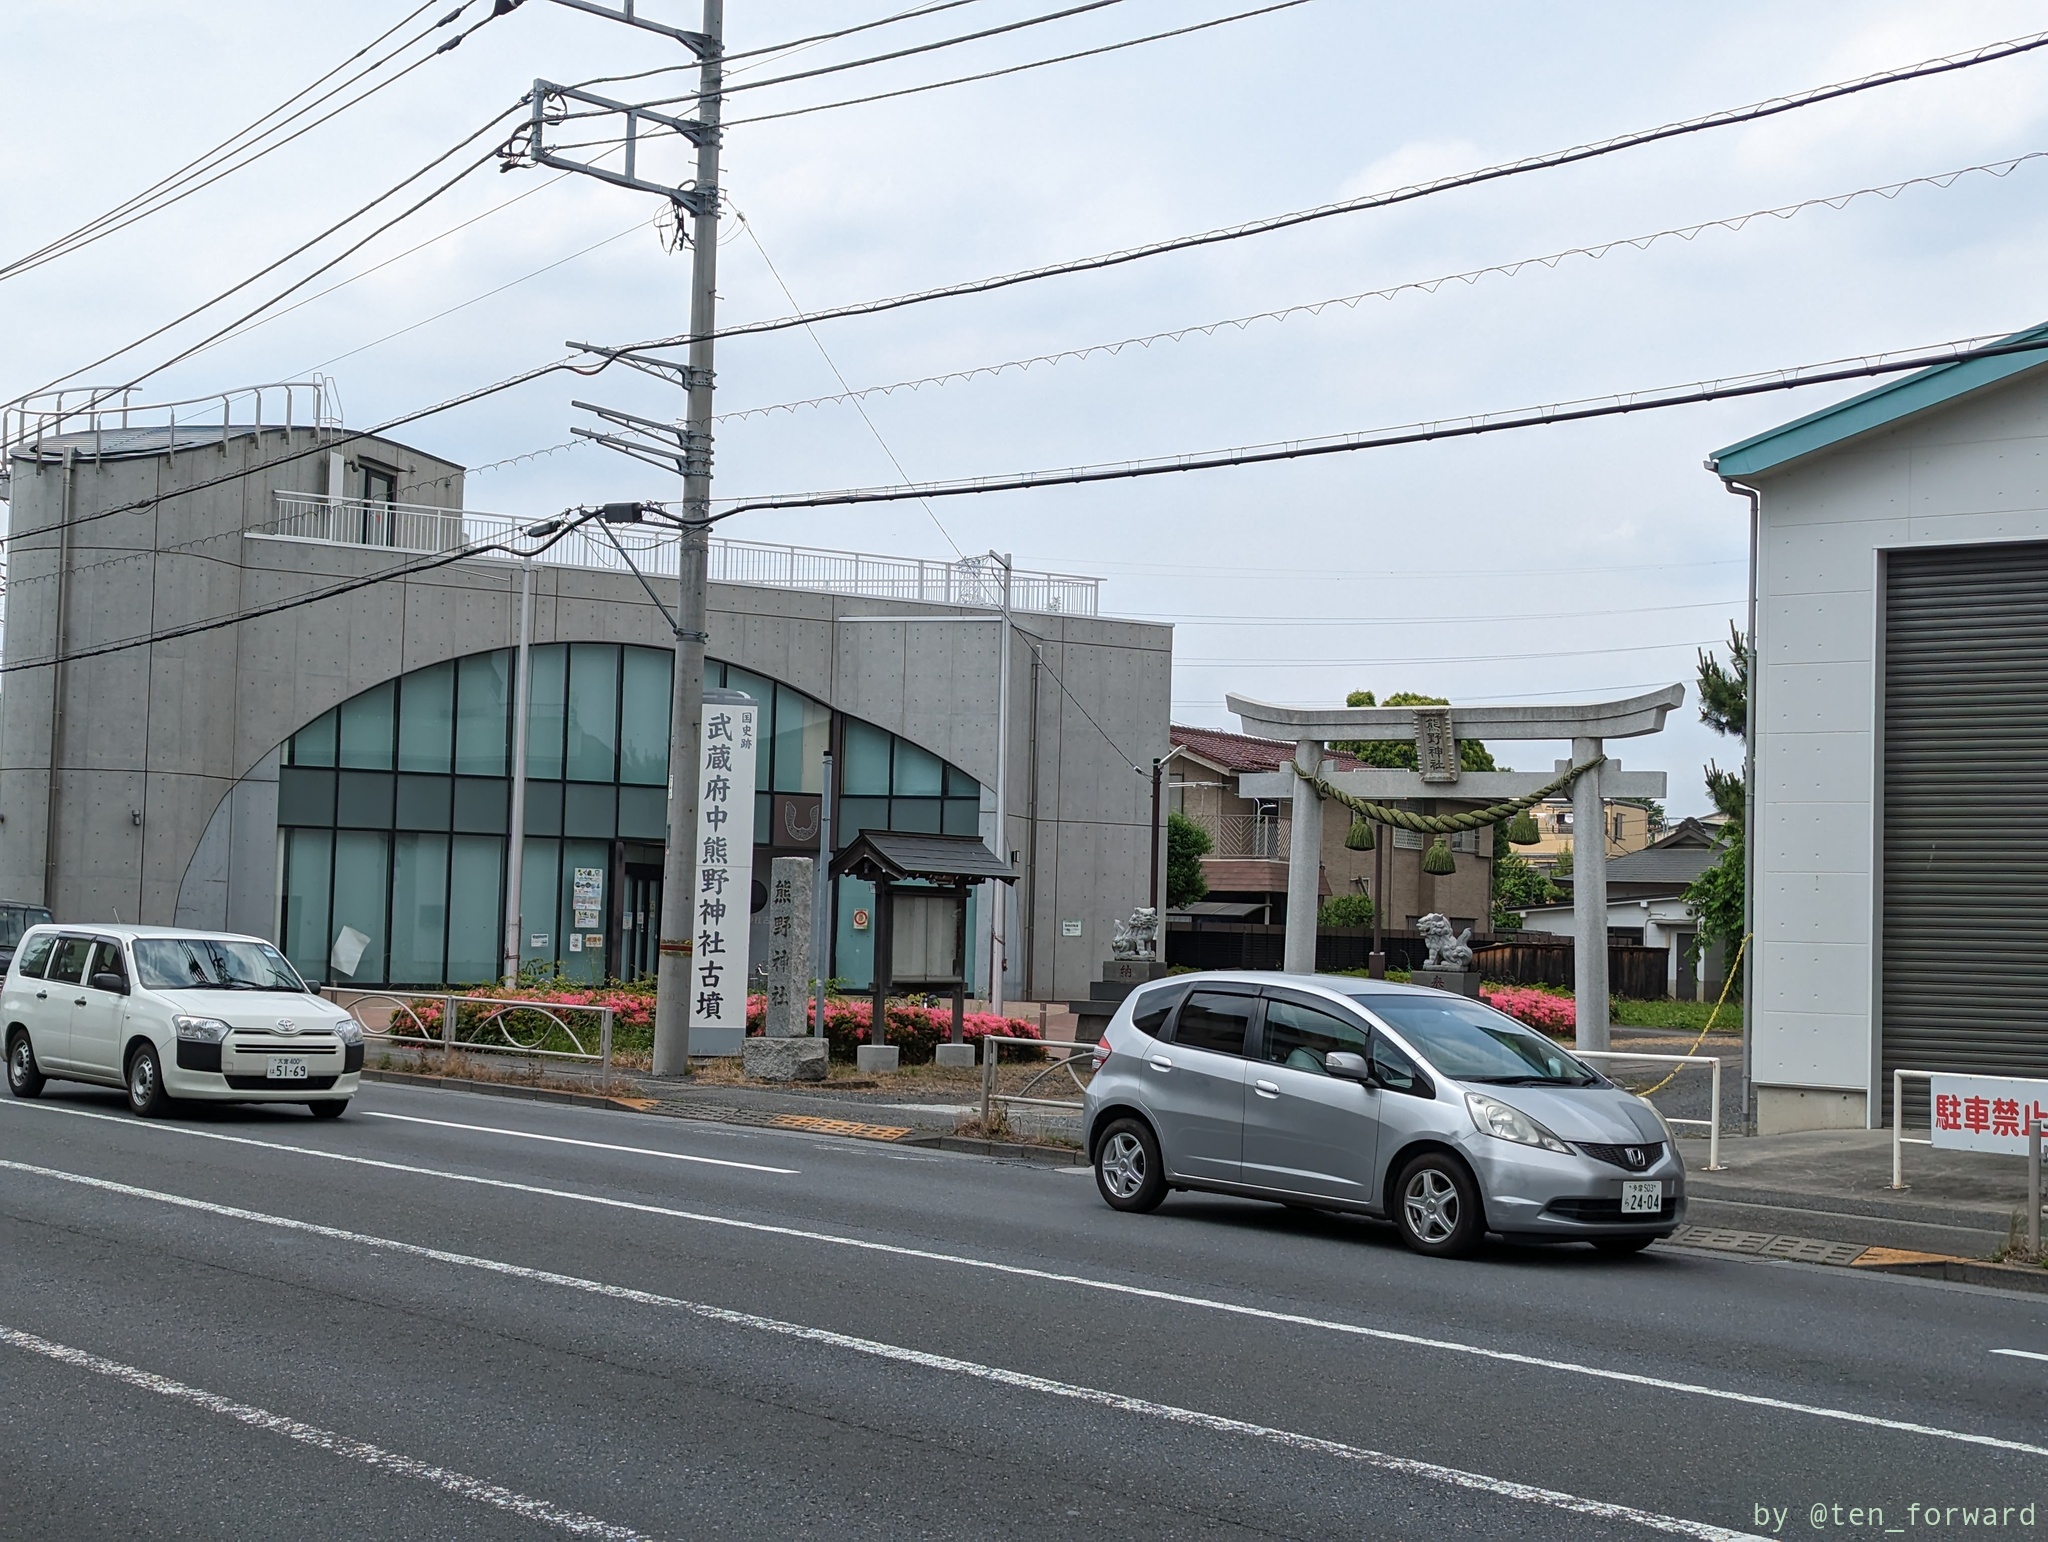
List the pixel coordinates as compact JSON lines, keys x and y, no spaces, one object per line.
{"x":594,"y":1145}
{"x":460,"y":1484}
{"x":1188,"y":1418}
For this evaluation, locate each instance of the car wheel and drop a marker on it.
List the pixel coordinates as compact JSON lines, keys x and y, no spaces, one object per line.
{"x":328,"y":1108}
{"x":24,"y":1077}
{"x":1436,"y":1207}
{"x":1621,"y":1247}
{"x":1128,"y":1171}
{"x":146,"y":1083}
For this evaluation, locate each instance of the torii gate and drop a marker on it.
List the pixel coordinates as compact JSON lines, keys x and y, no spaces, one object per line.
{"x":1436,"y":731}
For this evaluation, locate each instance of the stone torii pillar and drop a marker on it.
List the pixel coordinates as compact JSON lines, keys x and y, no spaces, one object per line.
{"x":1439,"y":774}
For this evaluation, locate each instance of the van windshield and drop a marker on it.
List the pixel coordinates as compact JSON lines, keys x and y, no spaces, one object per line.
{"x":212,"y":964}
{"x":1473,"y":1043}
{"x":16,"y":919}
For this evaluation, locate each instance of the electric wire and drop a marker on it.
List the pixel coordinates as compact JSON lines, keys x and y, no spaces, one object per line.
{"x":1724,"y":118}
{"x":280,"y":262}
{"x":1577,"y":411}
{"x":753,"y":235}
{"x":792,"y":46}
{"x":1036,"y":644}
{"x":332,"y":591}
{"x":1448,"y":658}
{"x":1015,"y":69}
{"x":1470,"y":276}
{"x":144,"y":205}
{"x":1186,"y":618}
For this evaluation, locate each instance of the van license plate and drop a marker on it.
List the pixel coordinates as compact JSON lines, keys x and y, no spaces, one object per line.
{"x":1636,"y":1198}
{"x":291,"y":1068}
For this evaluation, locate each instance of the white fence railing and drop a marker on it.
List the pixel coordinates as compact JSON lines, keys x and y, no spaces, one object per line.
{"x":503,"y":1025}
{"x":653,"y":549}
{"x":105,"y":420}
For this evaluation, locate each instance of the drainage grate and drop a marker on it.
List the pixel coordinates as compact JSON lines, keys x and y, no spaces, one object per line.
{"x":1763,"y":1244}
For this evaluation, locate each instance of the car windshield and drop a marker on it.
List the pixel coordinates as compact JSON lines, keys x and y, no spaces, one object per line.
{"x":1473,"y":1043}
{"x":211,"y":964}
{"x":16,"y":919}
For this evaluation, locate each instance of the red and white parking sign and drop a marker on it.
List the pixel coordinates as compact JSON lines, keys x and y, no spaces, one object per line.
{"x":1986,"y":1113}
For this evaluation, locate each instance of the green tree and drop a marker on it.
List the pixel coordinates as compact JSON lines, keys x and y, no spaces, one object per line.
{"x":1561,"y":867}
{"x":1186,"y":844}
{"x":1345,"y":910}
{"x":1399,"y":754}
{"x":1716,"y":896}
{"x":1517,"y":885}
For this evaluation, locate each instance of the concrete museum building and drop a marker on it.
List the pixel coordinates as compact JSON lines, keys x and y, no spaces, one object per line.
{"x":343,"y":769}
{"x":1900,"y":725}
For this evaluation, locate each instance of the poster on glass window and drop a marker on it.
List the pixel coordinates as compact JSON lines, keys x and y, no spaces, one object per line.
{"x":723,"y":904}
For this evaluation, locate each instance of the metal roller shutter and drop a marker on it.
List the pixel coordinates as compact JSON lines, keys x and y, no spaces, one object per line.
{"x":1964,"y":961}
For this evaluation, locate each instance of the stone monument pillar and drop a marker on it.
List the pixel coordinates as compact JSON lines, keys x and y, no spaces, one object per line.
{"x":785,"y":1052}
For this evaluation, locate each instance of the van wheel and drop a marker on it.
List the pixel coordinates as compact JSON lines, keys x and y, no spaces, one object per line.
{"x":25,"y":1078}
{"x":1128,"y":1172}
{"x":146,"y":1083}
{"x":328,"y":1108}
{"x":1436,"y":1207}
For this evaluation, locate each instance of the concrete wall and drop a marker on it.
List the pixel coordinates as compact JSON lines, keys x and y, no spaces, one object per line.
{"x":1972,"y":472}
{"x":154,"y":740}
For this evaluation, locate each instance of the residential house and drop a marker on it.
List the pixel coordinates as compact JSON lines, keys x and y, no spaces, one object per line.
{"x":1627,"y":827}
{"x":1646,"y":905}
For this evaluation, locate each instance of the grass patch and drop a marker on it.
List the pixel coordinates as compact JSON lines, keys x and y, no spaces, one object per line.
{"x":1685,"y":1016}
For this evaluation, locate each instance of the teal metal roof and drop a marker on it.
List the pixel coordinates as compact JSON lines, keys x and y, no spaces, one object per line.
{"x":1889,"y":403}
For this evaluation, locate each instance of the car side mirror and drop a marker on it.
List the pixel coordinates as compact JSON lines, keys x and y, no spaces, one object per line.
{"x":1346,"y":1066}
{"x":106,"y":980}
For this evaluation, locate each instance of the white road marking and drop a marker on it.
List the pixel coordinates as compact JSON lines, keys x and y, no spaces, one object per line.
{"x":460,"y":1484}
{"x":594,"y":1145}
{"x":2021,"y":1354}
{"x":1026,"y":1271}
{"x":1411,"y":1467}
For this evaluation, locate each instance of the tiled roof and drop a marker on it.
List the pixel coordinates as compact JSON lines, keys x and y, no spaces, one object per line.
{"x":1244,"y":752}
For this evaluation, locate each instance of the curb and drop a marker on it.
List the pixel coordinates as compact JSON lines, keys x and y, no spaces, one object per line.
{"x":968,"y":1145}
{"x":506,"y":1090}
{"x":1856,"y":1255}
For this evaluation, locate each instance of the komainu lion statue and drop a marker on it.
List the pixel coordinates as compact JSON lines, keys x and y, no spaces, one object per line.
{"x":1137,"y":937}
{"x":1445,"y":951}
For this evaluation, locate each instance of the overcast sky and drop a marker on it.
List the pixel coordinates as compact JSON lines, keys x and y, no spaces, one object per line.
{"x":1564,"y":563}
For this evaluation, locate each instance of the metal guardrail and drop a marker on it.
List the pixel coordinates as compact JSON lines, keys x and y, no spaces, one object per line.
{"x":107,"y":414}
{"x":1681,"y":1061}
{"x":515,"y":1038}
{"x":991,"y":1056}
{"x":412,"y":527}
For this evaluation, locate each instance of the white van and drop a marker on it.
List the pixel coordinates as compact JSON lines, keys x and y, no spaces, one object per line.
{"x":168,"y":1012}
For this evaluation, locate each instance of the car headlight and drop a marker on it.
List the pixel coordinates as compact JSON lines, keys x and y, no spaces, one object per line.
{"x":1494,"y":1117}
{"x":200,"y":1030}
{"x":349,"y":1031}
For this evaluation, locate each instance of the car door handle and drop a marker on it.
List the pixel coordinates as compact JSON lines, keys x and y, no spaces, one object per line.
{"x":78,"y":1001}
{"x":42,"y":995}
{"x":1267,"y":1089}
{"x":1161,"y":1063}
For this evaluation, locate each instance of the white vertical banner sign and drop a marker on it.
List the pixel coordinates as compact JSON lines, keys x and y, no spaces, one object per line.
{"x":725,"y":873}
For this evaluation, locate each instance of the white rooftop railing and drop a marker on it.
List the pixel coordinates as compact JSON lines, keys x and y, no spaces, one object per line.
{"x":420,"y":528}
{"x":111,"y":420}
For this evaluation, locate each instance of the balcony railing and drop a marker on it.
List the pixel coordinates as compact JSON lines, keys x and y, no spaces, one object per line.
{"x":419,"y":528}
{"x":1245,"y":835}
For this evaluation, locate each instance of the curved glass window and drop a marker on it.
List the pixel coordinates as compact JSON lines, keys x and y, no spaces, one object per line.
{"x":394,"y":813}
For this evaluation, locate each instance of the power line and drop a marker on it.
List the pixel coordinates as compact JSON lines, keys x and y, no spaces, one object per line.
{"x":1725,"y":118}
{"x":297,"y":251}
{"x":219,"y":162}
{"x":1733,"y":222}
{"x":1455,"y":658}
{"x":1015,"y":69}
{"x":1184,"y":618}
{"x":332,"y":591}
{"x":1379,"y":439}
{"x":752,"y":235}
{"x":1033,"y":641}
{"x":792,"y":46}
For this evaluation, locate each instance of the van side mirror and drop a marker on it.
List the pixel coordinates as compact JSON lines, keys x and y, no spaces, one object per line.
{"x":1346,"y":1066}
{"x":106,"y":980}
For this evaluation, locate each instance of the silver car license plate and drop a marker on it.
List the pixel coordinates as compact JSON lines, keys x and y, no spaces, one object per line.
{"x":1643,"y":1198}
{"x":292,"y":1068}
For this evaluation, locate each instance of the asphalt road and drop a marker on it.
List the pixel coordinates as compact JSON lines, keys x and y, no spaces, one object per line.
{"x":423,"y":1320}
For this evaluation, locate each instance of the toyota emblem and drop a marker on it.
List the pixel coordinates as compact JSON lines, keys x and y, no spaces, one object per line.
{"x":286,"y":1026}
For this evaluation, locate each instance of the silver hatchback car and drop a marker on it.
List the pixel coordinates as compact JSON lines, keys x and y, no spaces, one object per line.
{"x":1431,"y":1110}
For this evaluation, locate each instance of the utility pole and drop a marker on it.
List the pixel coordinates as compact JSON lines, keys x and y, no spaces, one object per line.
{"x":690,"y":455}
{"x":679,"y":866}
{"x":999,"y":901}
